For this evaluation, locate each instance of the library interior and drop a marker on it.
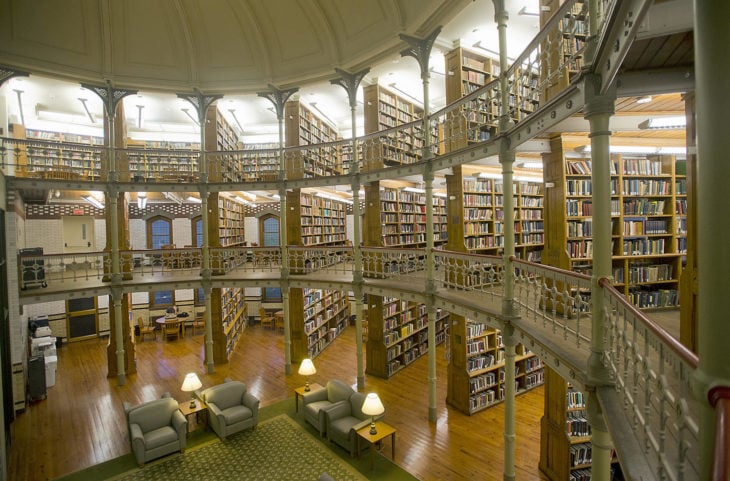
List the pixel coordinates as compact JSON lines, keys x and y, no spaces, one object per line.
{"x":477,"y":225}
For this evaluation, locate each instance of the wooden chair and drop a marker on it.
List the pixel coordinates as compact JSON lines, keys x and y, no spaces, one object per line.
{"x":199,"y":322}
{"x":145,"y":329}
{"x":267,"y":320}
{"x":171,"y":328}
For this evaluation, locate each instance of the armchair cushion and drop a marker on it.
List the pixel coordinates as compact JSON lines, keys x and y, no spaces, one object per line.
{"x":156,"y":428}
{"x":345,"y":419}
{"x":316,"y":403}
{"x":232,"y":408}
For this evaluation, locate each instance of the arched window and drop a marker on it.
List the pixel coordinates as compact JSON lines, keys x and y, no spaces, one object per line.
{"x":159,"y":235}
{"x":269,"y":230}
{"x":197,"y":225}
{"x":269,"y":237}
{"x":159,"y":232}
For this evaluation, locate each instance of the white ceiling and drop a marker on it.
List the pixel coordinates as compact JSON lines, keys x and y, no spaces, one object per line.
{"x":233,"y":47}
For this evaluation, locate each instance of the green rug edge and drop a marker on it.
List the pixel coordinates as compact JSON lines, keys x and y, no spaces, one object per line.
{"x":383,"y":468}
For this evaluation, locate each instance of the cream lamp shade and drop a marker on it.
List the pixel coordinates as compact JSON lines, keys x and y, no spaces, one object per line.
{"x":373,"y":406}
{"x":191,"y":384}
{"x":306,"y":368}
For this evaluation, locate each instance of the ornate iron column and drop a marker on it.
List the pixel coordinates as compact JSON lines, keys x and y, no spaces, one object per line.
{"x":598,"y":111}
{"x":111,"y":97}
{"x":201,"y":103}
{"x":350,"y":82}
{"x":713,"y":262}
{"x":420,"y":49}
{"x":278,"y":98}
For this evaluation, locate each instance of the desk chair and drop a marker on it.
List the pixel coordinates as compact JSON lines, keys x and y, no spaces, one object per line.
{"x":145,"y":329}
{"x":199,"y":322}
{"x":267,"y":320}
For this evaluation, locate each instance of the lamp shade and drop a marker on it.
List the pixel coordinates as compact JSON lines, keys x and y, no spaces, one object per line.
{"x":306,"y":368}
{"x":372,"y":405}
{"x":191,"y":382}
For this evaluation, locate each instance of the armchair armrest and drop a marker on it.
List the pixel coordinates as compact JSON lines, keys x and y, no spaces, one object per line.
{"x":251,"y":402}
{"x":213,"y":409}
{"x":358,"y":427}
{"x":180,"y":423}
{"x":135,"y":433}
{"x":314,"y":396}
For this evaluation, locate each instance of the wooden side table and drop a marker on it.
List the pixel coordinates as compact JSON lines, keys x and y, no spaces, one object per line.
{"x":300,"y":392}
{"x":200,"y":411}
{"x":383,"y":431}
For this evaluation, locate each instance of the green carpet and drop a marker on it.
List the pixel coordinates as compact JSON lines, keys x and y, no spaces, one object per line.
{"x":282,"y":447}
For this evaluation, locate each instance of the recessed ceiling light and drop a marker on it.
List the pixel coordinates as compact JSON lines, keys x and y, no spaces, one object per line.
{"x":644,"y":100}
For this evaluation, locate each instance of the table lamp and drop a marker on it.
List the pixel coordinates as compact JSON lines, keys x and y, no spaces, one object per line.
{"x":306,"y":368}
{"x":191,"y":384}
{"x":372,"y":407}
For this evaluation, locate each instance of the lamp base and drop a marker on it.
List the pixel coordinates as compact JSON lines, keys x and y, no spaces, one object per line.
{"x":192,"y":404}
{"x":306,"y":386}
{"x":373,"y":431}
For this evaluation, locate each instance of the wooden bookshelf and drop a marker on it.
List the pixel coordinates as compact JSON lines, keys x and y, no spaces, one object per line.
{"x":647,"y":261}
{"x":325,"y":314}
{"x":228,"y":309}
{"x":478,"y":202}
{"x":476,"y":367}
{"x":398,"y":334}
{"x":303,"y":126}
{"x":565,"y":438}
{"x":70,"y":158}
{"x":233,"y":314}
{"x":402,"y":218}
{"x":385,"y":109}
{"x":323,"y":221}
{"x":468,"y":71}
{"x":570,"y":38}
{"x":226,"y":228}
{"x":146,"y":162}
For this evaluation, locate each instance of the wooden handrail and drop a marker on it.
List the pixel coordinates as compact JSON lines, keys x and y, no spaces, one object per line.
{"x":719,"y":397}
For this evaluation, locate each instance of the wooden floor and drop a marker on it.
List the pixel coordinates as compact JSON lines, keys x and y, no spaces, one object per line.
{"x":81,"y":423}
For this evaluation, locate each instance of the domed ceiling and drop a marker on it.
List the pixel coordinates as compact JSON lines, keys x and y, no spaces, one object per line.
{"x":213,"y":45}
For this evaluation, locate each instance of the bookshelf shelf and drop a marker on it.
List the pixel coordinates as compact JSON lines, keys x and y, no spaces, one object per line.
{"x":476,"y":367}
{"x":397,"y":334}
{"x":647,"y":253}
{"x":305,"y":127}
{"x":325,"y":314}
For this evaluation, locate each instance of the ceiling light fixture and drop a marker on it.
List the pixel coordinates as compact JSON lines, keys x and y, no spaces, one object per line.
{"x":172,"y":197}
{"x":93,"y":201}
{"x":142,"y":200}
{"x":187,"y":112}
{"x":19,"y":93}
{"x":674,"y":122}
{"x":86,"y":109}
{"x":414,"y":189}
{"x":644,"y":100}
{"x":524,"y":11}
{"x":636,"y":149}
{"x":139,"y":116}
{"x":194,"y":200}
{"x":528,"y":164}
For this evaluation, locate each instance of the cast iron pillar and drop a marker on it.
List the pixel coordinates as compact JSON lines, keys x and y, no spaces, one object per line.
{"x":111,"y":97}
{"x":350,"y":82}
{"x":279,"y":98}
{"x":201,"y":103}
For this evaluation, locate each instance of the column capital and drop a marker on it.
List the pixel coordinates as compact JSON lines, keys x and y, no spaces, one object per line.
{"x":597,"y":103}
{"x":420,"y":49}
{"x":201,"y":102}
{"x":109,"y":95}
{"x":350,"y":81}
{"x":278,"y":97}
